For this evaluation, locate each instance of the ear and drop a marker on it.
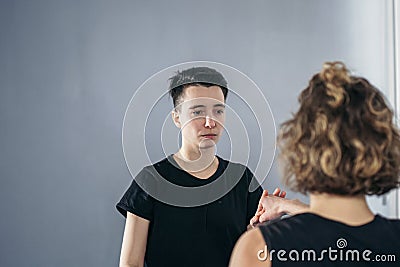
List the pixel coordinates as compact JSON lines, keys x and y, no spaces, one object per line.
{"x":176,"y":118}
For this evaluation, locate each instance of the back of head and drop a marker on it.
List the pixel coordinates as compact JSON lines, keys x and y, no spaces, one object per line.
{"x":342,"y":140}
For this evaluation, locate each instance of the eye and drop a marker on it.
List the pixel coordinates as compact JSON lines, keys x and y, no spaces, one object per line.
{"x":197,"y":112}
{"x":220,"y":111}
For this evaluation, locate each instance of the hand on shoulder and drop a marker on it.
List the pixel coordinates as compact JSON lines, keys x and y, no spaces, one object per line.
{"x":276,"y":205}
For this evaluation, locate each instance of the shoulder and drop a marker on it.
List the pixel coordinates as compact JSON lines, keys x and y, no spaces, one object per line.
{"x":387,"y":223}
{"x":156,"y":169}
{"x":227,"y":163}
{"x":242,"y":176}
{"x":159,"y":164}
{"x":389,"y":228}
{"x":250,"y":250}
{"x":235,"y":168}
{"x":296,"y":228}
{"x":163,"y":162}
{"x":299,"y":221}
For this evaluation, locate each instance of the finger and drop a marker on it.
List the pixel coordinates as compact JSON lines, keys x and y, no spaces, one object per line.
{"x":277,"y":192}
{"x":260,"y":207}
{"x":264,"y":194}
{"x":258,"y":213}
{"x":254,"y":220}
{"x":283,"y":194}
{"x":263,"y":218}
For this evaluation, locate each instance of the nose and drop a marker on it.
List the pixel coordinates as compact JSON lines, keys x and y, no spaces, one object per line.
{"x":210,"y":123}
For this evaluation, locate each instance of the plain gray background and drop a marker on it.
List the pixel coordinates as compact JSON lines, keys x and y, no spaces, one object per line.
{"x":68,"y":70}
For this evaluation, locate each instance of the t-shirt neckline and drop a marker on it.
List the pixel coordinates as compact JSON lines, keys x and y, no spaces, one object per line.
{"x":173,"y":162}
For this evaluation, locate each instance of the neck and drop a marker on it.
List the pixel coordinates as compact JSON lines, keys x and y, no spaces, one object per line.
{"x":198,"y":154}
{"x":352,"y":210}
{"x":196,"y":161}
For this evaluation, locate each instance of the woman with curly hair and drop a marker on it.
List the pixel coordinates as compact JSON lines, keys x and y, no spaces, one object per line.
{"x":341,"y":145}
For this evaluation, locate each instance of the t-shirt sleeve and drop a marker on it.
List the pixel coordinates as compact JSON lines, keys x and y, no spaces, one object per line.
{"x":136,"y":201}
{"x":253,"y":197}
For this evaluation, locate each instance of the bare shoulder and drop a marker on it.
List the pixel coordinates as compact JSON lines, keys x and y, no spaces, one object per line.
{"x":250,"y":250}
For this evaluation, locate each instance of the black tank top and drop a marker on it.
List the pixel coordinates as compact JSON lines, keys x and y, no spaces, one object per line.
{"x":311,"y":240}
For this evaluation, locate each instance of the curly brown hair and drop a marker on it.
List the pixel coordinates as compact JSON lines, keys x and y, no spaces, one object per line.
{"x":342,"y":140}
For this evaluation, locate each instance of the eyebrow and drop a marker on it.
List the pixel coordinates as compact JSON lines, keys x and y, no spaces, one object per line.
{"x":203,"y":106}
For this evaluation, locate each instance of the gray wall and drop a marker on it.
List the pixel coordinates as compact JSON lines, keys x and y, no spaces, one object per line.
{"x":69,"y":68}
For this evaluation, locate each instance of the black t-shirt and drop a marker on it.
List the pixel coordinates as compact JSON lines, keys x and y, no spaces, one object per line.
{"x":303,"y":238}
{"x":202,"y":235}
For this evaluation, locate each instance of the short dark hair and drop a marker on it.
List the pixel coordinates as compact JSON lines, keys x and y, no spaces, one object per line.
{"x":343,"y":139}
{"x":196,"y":76}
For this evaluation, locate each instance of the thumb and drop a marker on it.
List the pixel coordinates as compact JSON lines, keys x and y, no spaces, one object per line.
{"x":263,"y":218}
